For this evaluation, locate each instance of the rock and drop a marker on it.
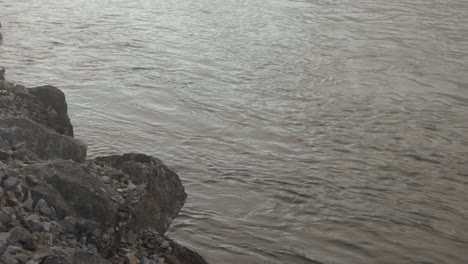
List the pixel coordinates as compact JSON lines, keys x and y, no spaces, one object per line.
{"x":163,"y":195}
{"x":3,"y":246}
{"x":44,"y":143}
{"x":55,"y":98}
{"x":7,"y":258}
{"x":14,"y":250}
{"x":4,"y":155}
{"x":5,"y":217}
{"x":131,"y":259}
{"x":28,"y":202}
{"x":43,"y":208}
{"x":11,"y":198}
{"x":24,"y":256}
{"x":82,"y":257}
{"x":68,"y":187}
{"x":4,"y":85}
{"x":106,"y":179}
{"x":164,"y":244}
{"x":10,"y":182}
{"x":20,"y":90}
{"x":16,"y":234}
{"x":33,"y":222}
{"x":32,"y":179}
{"x":69,"y":225}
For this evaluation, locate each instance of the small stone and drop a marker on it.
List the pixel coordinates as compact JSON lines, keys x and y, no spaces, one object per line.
{"x":3,"y":246}
{"x":131,"y":258}
{"x":165,"y":244}
{"x":131,"y":186}
{"x":106,"y":179}
{"x":11,"y":198}
{"x":43,"y":208}
{"x":3,"y":228}
{"x":15,"y":235}
{"x":46,"y":226}
{"x":28,"y":202}
{"x":5,"y":216}
{"x":33,"y":222}
{"x":145,"y":260}
{"x":7,"y":258}
{"x":69,"y":225}
{"x":18,"y":145}
{"x":24,"y":256}
{"x":32,"y":179}
{"x":10,"y":182}
{"x":13,"y":250}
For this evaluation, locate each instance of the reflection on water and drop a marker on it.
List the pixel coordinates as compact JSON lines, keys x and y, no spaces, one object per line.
{"x":304,"y":131}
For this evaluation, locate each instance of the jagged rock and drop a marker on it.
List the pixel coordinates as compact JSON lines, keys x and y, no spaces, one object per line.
{"x":20,"y":89}
{"x":161,"y":195}
{"x":7,"y":258}
{"x":72,"y":191}
{"x":43,"y":142}
{"x":55,"y":98}
{"x":42,"y":207}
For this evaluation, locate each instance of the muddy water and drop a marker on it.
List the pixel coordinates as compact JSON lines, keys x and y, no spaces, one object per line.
{"x":304,"y":131}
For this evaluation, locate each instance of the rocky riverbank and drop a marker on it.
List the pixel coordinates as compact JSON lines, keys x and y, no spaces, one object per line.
{"x":56,"y":206}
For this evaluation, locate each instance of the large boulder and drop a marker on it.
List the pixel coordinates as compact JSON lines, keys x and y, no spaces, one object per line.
{"x":158,"y":194}
{"x":45,"y":105}
{"x":43,"y":142}
{"x":71,"y":190}
{"x":52,"y":97}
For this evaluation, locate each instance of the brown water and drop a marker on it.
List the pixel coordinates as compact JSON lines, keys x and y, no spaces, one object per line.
{"x":328,"y":131}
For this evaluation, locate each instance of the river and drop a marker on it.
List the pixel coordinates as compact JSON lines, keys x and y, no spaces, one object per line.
{"x":305,"y":131}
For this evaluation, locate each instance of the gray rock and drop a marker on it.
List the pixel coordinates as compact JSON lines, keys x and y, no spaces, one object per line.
{"x":55,"y":98}
{"x":67,"y":186}
{"x":43,"y":208}
{"x":13,"y":250}
{"x":10,"y":182}
{"x":43,"y":142}
{"x":20,"y":89}
{"x":7,"y":258}
{"x":164,"y":244}
{"x":163,"y":196}
{"x":28,"y":202}
{"x":69,"y":225}
{"x":3,"y":246}
{"x":82,"y":257}
{"x":5,"y":217}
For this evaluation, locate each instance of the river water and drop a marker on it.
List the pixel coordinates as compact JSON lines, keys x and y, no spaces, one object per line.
{"x":306,"y":131}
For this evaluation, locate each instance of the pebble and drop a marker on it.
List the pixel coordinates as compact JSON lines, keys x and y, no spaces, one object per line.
{"x":10,"y":182}
{"x":42,"y":207}
{"x":106,"y":179}
{"x":165,"y":244}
